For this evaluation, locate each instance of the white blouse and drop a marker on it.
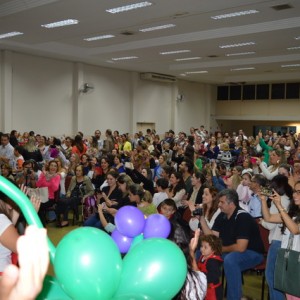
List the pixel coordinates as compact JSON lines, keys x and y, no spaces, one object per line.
{"x":5,"y":254}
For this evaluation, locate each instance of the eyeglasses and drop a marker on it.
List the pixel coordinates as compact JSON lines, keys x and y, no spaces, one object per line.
{"x":296,"y":192}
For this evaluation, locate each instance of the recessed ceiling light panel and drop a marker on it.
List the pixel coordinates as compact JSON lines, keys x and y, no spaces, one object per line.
{"x":240,"y":54}
{"x":124,"y":58}
{"x":196,"y":72}
{"x":128,"y":7}
{"x":290,"y":66}
{"x":242,"y":69}
{"x":61,"y":23}
{"x":235,"y":14}
{"x":160,"y":27}
{"x":188,"y":58}
{"x":10,"y":34}
{"x":174,"y":52}
{"x":99,"y":37}
{"x":293,"y":48}
{"x":237,"y":45}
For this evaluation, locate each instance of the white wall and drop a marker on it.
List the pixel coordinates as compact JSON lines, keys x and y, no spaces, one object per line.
{"x":45,"y":98}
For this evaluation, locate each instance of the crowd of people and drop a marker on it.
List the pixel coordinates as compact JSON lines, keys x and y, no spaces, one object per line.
{"x":216,"y":189}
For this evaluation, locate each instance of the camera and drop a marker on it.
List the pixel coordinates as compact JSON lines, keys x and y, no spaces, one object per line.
{"x":266,"y":191}
{"x":28,"y":172}
{"x":198,"y":212}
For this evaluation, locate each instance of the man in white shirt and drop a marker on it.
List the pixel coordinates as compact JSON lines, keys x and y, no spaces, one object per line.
{"x":6,"y":150}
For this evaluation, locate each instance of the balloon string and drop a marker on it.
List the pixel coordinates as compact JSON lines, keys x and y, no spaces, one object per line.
{"x":15,"y":194}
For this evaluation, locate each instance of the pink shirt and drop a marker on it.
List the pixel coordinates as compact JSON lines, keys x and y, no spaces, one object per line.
{"x":52,"y":184}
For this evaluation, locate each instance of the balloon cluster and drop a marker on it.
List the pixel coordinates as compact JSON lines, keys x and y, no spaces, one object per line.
{"x":132,"y":227}
{"x":88,"y":264}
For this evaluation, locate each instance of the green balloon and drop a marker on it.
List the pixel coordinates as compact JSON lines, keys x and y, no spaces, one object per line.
{"x":88,"y":264}
{"x":155,"y":268}
{"x":52,"y":290}
{"x":136,"y":240}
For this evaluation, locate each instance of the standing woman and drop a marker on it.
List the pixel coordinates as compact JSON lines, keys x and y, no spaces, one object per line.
{"x":79,"y":147}
{"x":80,"y":188}
{"x":50,"y":179}
{"x":74,"y":162}
{"x":289,"y":218}
{"x":31,"y":151}
{"x":63,"y":174}
{"x":282,"y":188}
{"x":277,"y":158}
{"x":177,"y":189}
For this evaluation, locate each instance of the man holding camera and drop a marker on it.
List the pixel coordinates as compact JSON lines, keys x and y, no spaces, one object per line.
{"x":242,"y":246}
{"x":28,"y":177}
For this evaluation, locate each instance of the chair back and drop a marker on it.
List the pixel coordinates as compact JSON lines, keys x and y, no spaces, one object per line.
{"x":264,"y":234}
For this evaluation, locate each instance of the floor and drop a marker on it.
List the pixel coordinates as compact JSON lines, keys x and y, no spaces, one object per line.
{"x":252,"y":281}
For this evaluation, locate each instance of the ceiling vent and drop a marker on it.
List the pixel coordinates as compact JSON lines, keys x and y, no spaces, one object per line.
{"x":127,"y":32}
{"x":282,"y":6}
{"x":158,"y":77}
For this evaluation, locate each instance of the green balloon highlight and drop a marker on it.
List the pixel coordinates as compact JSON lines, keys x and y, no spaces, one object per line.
{"x":155,"y":268}
{"x":88,"y":264}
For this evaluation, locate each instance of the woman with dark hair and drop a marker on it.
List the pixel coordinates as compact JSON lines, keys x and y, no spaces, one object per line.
{"x":110,"y":195}
{"x":281,"y":186}
{"x":195,"y":285}
{"x":290,"y":218}
{"x":100,"y":178}
{"x":177,"y":189}
{"x":79,"y":147}
{"x":13,"y":140}
{"x":209,"y":208}
{"x":108,"y":144}
{"x":189,"y":149}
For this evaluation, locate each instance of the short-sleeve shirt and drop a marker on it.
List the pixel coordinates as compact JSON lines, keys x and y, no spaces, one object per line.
{"x":239,"y":226}
{"x":5,"y":254}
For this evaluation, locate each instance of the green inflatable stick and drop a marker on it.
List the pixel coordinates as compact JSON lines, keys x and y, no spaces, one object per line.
{"x":26,"y":207}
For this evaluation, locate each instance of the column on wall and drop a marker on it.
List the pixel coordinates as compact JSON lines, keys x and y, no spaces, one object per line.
{"x":6,"y":91}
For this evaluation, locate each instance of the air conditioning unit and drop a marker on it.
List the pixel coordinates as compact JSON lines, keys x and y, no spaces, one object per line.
{"x":158,"y":77}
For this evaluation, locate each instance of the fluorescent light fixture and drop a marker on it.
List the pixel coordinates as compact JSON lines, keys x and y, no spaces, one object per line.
{"x":10,"y":34}
{"x":235,"y":14}
{"x":293,"y":48}
{"x":128,"y":7}
{"x":196,"y":72}
{"x":237,"y":45}
{"x":290,"y":66}
{"x":160,"y":27}
{"x":239,"y":54}
{"x":61,"y":23}
{"x":174,"y":52}
{"x":188,"y":58}
{"x":124,"y":58}
{"x":242,"y":69}
{"x":99,"y":37}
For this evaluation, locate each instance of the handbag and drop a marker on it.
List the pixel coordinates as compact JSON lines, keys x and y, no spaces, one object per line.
{"x":287,"y":270}
{"x":41,"y":193}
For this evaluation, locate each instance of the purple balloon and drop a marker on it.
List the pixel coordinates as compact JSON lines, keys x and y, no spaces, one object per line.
{"x":130,"y":221}
{"x":157,"y":226}
{"x":123,"y":242}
